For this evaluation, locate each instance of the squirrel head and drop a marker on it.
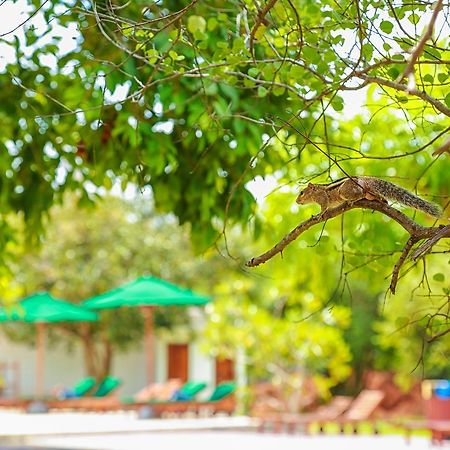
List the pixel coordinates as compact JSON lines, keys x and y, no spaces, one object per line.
{"x":307,"y":195}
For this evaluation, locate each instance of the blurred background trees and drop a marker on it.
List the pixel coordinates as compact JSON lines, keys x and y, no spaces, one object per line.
{"x":206,"y":107}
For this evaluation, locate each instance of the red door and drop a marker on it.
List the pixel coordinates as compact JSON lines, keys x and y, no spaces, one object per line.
{"x":178,"y":361}
{"x":224,"y":370}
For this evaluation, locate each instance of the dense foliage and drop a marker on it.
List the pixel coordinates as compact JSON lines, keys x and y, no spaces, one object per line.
{"x":197,"y":101}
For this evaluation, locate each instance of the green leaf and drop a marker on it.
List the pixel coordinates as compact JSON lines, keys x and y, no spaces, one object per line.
{"x":432,"y":52}
{"x":440,"y":277}
{"x":196,"y":24}
{"x":367,"y":51}
{"x":442,"y":77}
{"x":337,"y":103}
{"x":386,"y":26}
{"x":152,"y":55}
{"x":262,"y":91}
{"x":393,"y":72}
{"x":447,"y":100}
{"x":414,"y":18}
{"x":428,"y":78}
{"x":212,"y":23}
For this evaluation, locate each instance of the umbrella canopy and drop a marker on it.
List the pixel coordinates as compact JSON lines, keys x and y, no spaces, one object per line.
{"x":146,"y":292}
{"x":42,"y":308}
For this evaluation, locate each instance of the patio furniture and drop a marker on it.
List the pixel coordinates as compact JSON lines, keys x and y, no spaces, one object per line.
{"x":221,"y":400}
{"x":291,"y":422}
{"x":102,"y":399}
{"x":79,"y":389}
{"x":362,"y":409}
{"x":154,"y":392}
{"x":341,"y":410}
{"x":188,"y":391}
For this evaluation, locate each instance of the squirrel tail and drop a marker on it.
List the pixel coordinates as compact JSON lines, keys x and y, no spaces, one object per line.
{"x":394,"y":192}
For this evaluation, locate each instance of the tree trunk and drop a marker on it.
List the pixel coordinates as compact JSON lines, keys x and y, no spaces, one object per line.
{"x":97,"y":363}
{"x":106,"y":362}
{"x":90,"y":356}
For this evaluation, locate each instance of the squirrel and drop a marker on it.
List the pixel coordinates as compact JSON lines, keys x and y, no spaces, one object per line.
{"x":358,"y":188}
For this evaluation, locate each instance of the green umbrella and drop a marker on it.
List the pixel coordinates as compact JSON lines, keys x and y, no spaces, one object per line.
{"x":146,"y":292}
{"x":42,"y":308}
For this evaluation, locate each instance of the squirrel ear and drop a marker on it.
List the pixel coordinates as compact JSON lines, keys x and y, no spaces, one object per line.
{"x":310,"y":184}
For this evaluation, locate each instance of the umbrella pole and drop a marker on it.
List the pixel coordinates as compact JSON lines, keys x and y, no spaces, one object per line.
{"x":147,"y":312}
{"x":40,"y":349}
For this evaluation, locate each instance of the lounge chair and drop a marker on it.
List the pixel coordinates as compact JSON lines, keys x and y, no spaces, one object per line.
{"x":221,"y":400}
{"x":79,"y":389}
{"x":177,"y":394}
{"x":362,"y":409}
{"x":154,"y":392}
{"x":102,"y":398}
{"x":188,"y":391}
{"x":326,"y":413}
{"x":341,"y":410}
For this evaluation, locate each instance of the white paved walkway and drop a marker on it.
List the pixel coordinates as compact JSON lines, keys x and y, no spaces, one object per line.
{"x":124,"y":431}
{"x":68,"y":423}
{"x":221,"y":440}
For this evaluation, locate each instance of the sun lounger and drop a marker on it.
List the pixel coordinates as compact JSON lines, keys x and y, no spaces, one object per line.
{"x":102,"y":398}
{"x":362,"y":409}
{"x":221,"y":400}
{"x":154,"y":392}
{"x":341,"y":410}
{"x":291,"y":422}
{"x":188,"y":391}
{"x":79,"y":389}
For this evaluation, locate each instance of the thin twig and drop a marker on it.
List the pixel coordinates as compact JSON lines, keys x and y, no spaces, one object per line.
{"x":406,"y":249}
{"x":443,"y":232}
{"x":259,"y":20}
{"x":404,"y":88}
{"x":418,"y":49}
{"x":445,"y":147}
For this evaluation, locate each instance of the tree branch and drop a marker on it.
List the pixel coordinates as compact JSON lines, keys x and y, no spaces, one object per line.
{"x":417,"y":232}
{"x":443,"y":232}
{"x":404,"y":88}
{"x":418,"y":49}
{"x":411,"y":241}
{"x":445,"y":147}
{"x":260,"y":19}
{"x":438,"y":335}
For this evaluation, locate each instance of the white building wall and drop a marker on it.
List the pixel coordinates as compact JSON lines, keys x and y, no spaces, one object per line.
{"x":60,"y":367}
{"x":65,"y":368}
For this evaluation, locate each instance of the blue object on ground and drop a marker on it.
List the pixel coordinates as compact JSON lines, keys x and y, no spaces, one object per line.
{"x":442,"y":389}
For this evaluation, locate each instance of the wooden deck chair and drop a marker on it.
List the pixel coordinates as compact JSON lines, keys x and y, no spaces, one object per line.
{"x":174,"y":393}
{"x":291,"y":422}
{"x":362,"y":409}
{"x":153,"y":392}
